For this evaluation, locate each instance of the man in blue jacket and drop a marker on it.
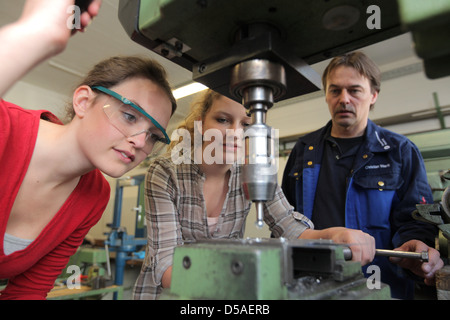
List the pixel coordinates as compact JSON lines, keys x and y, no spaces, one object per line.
{"x":354,"y":174}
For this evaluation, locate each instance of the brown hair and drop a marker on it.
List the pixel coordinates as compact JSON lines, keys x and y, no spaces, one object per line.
{"x":115,"y":70}
{"x":360,"y":62}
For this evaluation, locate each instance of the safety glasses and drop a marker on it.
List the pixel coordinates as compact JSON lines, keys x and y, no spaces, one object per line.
{"x":131,"y":120}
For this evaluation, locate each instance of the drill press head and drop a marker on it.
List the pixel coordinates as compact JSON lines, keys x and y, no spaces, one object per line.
{"x":256,"y":53}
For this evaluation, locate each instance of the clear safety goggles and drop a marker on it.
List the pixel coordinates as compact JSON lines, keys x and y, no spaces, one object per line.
{"x":131,"y":120}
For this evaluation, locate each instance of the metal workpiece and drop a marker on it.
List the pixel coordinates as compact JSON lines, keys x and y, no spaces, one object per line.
{"x":392,"y":253}
{"x":255,"y":269}
{"x":403,"y":254}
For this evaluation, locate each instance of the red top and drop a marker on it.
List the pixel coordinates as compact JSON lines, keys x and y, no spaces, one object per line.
{"x":31,"y":272}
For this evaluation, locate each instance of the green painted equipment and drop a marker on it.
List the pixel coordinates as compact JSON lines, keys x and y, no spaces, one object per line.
{"x":268,"y":269}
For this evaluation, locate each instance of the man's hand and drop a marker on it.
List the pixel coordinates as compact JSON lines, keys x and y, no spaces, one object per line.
{"x":425,"y":270}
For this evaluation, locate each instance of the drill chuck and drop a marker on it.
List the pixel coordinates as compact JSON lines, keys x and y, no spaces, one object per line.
{"x":258,"y":83}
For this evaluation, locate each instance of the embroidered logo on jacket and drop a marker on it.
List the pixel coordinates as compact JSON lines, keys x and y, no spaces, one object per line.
{"x":377,"y":166}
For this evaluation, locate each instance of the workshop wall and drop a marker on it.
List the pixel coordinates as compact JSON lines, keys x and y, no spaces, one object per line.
{"x":32,"y":97}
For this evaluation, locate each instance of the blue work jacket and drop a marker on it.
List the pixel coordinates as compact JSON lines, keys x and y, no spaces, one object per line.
{"x":386,"y":182}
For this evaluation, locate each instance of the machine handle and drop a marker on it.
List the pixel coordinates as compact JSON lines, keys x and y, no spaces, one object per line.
{"x":392,"y":253}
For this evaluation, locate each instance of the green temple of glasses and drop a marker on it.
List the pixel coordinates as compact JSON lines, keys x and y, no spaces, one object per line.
{"x":128,"y":102}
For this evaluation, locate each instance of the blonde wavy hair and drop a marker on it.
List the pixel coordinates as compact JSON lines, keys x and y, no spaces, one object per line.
{"x":198,"y":109}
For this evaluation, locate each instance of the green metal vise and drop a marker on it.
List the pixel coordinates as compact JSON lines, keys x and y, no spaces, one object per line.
{"x":92,"y":263}
{"x":269,"y":269}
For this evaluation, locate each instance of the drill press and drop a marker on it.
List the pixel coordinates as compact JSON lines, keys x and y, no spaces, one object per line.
{"x":256,"y":53}
{"x":254,"y":70}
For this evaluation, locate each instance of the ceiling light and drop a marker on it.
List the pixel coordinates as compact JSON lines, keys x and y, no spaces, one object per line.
{"x":187,"y":90}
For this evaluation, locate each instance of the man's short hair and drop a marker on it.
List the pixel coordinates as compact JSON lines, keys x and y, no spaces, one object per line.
{"x":358,"y":61}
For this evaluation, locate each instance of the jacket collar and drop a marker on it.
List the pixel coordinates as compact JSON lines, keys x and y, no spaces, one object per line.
{"x":376,"y":138}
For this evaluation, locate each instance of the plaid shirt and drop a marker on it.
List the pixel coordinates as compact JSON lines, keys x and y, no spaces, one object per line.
{"x":176,"y":212}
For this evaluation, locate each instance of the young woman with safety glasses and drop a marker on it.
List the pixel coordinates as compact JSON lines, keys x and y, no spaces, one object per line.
{"x":53,"y":190}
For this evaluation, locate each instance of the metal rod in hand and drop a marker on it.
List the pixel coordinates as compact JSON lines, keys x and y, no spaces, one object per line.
{"x":393,"y":253}
{"x":403,"y":254}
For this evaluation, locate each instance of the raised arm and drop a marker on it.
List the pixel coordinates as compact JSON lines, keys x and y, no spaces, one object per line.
{"x":41,"y":32}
